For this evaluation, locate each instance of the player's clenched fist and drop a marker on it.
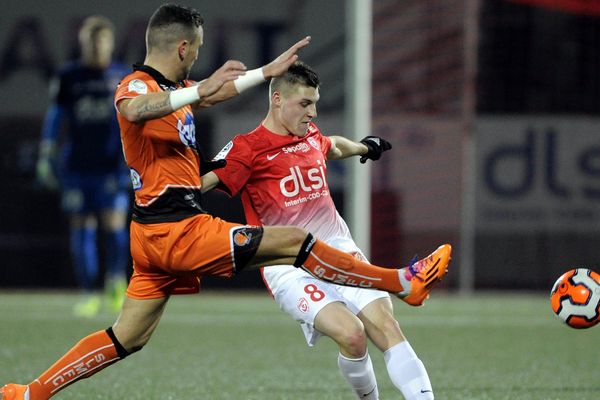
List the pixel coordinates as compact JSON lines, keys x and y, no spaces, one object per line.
{"x":375,"y":146}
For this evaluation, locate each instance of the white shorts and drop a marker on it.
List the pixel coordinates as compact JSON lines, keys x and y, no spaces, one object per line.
{"x":302,"y":296}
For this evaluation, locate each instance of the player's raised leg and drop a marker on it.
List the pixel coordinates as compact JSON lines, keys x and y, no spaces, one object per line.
{"x":94,"y":352}
{"x":420,"y":276}
{"x":412,"y":284}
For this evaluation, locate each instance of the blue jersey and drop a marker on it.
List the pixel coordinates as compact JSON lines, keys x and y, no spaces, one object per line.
{"x":83,"y":99}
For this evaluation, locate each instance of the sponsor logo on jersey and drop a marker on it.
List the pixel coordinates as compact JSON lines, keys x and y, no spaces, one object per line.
{"x":300,"y":147}
{"x":187,"y":130}
{"x":224,"y":151}
{"x":312,"y":180}
{"x":138,"y":86}
{"x":303,"y":305}
{"x":136,"y":179}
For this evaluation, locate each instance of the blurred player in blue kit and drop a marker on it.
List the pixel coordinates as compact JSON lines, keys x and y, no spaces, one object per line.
{"x":81,"y":154}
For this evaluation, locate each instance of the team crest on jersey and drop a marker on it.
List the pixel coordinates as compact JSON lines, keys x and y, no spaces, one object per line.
{"x":224,"y":151}
{"x":242,"y":236}
{"x":187,"y":130}
{"x":138,"y":86}
{"x":313,"y":142}
{"x":303,"y":305}
{"x":136,"y":179}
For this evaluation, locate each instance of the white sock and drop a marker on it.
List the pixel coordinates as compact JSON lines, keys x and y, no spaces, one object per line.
{"x":407,"y":372}
{"x":359,"y":374}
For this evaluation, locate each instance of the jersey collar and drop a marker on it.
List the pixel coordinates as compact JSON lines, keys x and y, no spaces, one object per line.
{"x":164,"y":83}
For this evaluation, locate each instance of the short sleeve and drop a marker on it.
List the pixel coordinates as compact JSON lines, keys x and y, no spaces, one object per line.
{"x":236,"y":173}
{"x":324,"y":141}
{"x":325,"y":144}
{"x":130,"y":88}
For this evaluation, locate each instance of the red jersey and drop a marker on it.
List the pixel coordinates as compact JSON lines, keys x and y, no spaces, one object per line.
{"x":282,"y":180}
{"x":160,"y":153}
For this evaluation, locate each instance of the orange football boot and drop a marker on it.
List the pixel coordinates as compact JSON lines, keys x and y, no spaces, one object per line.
{"x":421,"y":275}
{"x":12,"y":391}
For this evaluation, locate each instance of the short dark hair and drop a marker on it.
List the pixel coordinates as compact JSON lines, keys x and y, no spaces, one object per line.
{"x":298,"y":73}
{"x":171,"y":23}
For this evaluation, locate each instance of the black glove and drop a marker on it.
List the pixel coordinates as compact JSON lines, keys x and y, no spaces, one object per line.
{"x":376,"y":146}
{"x":209,"y":165}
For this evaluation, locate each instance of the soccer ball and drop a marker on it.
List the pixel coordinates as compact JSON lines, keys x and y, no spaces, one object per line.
{"x":575,"y":298}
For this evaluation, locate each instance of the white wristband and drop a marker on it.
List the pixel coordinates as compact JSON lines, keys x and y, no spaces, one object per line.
{"x":249,"y":79}
{"x":182,"y":97}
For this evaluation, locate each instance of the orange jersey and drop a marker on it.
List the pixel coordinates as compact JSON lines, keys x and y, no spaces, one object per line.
{"x":173,"y":241}
{"x":161,"y":153}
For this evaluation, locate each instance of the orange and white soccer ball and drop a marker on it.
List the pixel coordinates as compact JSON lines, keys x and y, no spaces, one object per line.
{"x":575,"y":298}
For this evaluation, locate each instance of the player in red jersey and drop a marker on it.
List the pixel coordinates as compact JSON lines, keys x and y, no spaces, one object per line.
{"x":173,"y":241}
{"x":280,"y":170}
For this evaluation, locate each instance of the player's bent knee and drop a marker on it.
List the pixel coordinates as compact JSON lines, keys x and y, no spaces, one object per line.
{"x":352,"y":341}
{"x":286,"y":234}
{"x":284,"y":237}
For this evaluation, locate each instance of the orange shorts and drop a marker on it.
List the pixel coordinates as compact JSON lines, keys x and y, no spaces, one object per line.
{"x":170,"y":257}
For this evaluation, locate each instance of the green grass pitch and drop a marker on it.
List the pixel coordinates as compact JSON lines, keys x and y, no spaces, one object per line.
{"x":221,"y":345}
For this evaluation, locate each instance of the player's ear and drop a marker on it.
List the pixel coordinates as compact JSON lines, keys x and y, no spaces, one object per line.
{"x":276,"y":98}
{"x":182,"y":49}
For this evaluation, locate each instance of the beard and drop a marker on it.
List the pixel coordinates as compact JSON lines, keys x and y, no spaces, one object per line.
{"x":185,"y":74}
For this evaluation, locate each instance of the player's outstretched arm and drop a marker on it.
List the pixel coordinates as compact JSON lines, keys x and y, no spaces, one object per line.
{"x":371,"y":147}
{"x":157,"y":105}
{"x":375,"y":147}
{"x":342,"y":147}
{"x":256,"y":76}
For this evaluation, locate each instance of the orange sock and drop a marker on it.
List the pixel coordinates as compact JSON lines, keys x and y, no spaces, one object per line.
{"x":332,"y":265}
{"x":92,"y":354}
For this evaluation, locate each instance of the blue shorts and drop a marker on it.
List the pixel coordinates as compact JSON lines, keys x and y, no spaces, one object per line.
{"x":91,"y":193}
